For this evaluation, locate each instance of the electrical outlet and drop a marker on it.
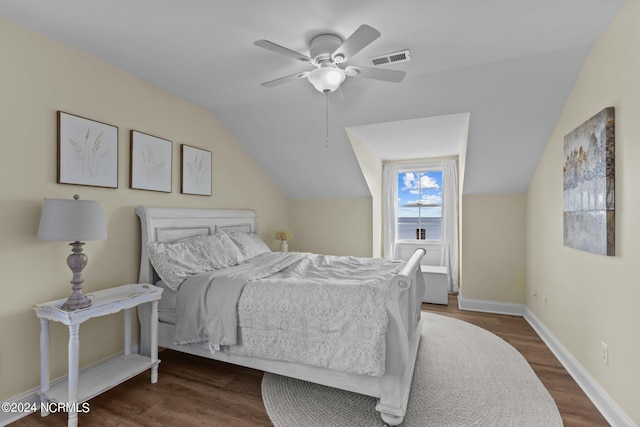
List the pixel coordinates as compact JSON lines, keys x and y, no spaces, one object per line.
{"x":604,"y":353}
{"x":544,"y":299}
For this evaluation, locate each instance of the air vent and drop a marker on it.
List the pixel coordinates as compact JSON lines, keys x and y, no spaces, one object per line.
{"x":391,"y":58}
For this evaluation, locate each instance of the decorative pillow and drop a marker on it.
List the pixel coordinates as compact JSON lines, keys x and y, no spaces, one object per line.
{"x":175,"y":261}
{"x":224,"y":251}
{"x":250,"y":244}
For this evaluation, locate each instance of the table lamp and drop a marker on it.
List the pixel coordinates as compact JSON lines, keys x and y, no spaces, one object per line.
{"x":73,"y":220}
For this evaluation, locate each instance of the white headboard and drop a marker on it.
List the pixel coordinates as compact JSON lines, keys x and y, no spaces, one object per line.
{"x":170,"y":224}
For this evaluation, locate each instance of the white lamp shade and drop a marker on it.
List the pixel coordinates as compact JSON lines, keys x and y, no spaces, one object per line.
{"x":327,"y":79}
{"x":72,"y":220}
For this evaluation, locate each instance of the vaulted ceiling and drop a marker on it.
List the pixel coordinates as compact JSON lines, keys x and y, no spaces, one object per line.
{"x":510,"y":64}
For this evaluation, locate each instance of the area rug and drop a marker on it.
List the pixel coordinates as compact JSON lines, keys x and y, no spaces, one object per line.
{"x":464,"y":376}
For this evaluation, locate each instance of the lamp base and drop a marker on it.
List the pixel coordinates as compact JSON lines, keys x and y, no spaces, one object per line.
{"x":76,"y":301}
{"x":76,"y":262}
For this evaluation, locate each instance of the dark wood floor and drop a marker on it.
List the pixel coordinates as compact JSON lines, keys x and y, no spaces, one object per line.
{"x":196,"y":391}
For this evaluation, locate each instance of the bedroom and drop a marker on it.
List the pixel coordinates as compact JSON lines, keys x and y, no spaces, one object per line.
{"x":590,"y":299}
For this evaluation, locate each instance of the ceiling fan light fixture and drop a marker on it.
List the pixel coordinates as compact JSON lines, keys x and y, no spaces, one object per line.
{"x":327,"y":79}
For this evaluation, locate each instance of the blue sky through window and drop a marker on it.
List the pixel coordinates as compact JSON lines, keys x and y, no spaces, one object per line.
{"x":420,"y":188}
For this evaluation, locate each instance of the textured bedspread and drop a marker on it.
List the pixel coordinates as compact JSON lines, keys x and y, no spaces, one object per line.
{"x":321,"y":310}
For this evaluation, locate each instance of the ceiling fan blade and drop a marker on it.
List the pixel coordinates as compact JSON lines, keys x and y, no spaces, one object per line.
{"x":394,"y":76}
{"x":357,"y":41}
{"x":266,"y":44}
{"x":285,"y":79}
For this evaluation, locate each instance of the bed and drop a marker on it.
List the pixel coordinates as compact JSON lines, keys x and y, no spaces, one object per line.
{"x":399,"y":289}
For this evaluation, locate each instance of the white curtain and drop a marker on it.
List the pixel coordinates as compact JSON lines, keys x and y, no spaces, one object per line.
{"x":389,"y":208}
{"x":449,"y":256}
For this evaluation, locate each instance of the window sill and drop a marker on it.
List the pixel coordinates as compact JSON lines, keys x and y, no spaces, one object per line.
{"x":433,"y":249}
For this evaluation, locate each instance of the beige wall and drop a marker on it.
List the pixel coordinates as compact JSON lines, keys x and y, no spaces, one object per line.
{"x":593,"y":298}
{"x":493,"y":248}
{"x":371,"y":166}
{"x":39,"y":76}
{"x":331,"y":226}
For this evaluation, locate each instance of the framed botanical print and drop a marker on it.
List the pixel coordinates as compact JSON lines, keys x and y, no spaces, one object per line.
{"x":195,"y":171}
{"x":87,"y":152}
{"x":150,"y":162}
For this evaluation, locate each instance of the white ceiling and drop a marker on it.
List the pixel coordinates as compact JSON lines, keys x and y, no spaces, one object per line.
{"x":509,"y":63}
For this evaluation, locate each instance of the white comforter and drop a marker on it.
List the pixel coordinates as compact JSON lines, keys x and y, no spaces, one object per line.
{"x":321,"y":310}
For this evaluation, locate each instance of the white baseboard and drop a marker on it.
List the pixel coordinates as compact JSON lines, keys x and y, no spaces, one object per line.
{"x":605,"y":404}
{"x":490,"y":306}
{"x":32,"y":399}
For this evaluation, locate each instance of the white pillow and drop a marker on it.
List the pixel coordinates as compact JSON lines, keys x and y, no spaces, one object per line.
{"x":175,"y":261}
{"x":224,"y":251}
{"x":250,"y":244}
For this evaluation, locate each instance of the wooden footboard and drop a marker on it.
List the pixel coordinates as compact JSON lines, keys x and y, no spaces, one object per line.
{"x":403,"y":337}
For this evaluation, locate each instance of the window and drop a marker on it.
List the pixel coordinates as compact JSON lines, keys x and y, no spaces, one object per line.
{"x":422,"y":195}
{"x":419,"y":205}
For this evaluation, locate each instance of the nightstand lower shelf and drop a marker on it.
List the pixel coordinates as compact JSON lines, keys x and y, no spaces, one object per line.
{"x":101,"y":377}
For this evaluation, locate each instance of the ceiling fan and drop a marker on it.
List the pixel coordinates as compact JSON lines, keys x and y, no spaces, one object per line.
{"x":329,"y":54}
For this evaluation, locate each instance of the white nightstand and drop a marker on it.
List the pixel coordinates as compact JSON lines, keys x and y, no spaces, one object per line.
{"x":98,"y":378}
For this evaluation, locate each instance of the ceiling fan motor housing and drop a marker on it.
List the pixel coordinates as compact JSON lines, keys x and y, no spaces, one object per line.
{"x":322,"y":46}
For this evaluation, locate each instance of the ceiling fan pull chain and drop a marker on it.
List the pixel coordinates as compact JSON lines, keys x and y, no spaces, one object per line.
{"x":327,"y":133}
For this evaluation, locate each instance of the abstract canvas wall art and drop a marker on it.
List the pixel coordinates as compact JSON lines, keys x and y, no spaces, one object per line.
{"x":589,"y":185}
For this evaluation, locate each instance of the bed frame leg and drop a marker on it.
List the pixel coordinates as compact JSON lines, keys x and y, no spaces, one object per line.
{"x":390,"y":419}
{"x":393,"y":406}
{"x":396,"y":387}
